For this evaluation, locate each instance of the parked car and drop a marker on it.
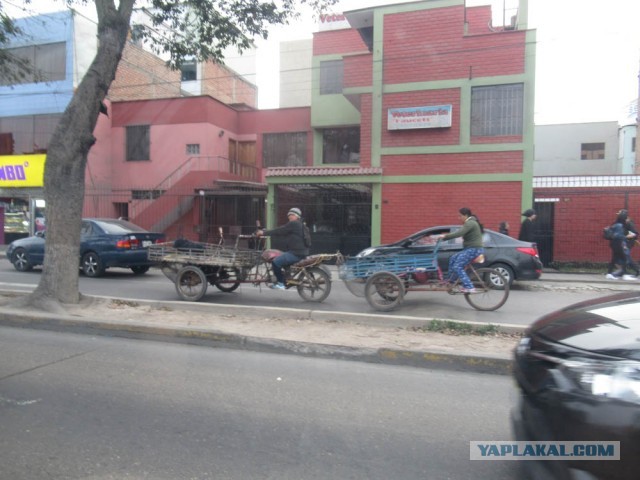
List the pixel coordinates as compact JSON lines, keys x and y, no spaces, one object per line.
{"x":104,"y":243}
{"x":514,"y":259}
{"x":578,"y":375}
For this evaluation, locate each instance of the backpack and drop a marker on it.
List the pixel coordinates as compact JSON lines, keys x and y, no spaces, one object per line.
{"x":306,"y":235}
{"x":607,"y":233}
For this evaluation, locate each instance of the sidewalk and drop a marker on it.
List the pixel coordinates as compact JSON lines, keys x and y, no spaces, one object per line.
{"x":389,"y":339}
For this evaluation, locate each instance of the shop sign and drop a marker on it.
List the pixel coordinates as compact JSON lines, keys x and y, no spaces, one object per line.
{"x":332,"y":21}
{"x":436,"y":116}
{"x":22,"y":170}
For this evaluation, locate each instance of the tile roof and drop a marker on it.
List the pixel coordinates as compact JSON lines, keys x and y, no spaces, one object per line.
{"x":321,"y":171}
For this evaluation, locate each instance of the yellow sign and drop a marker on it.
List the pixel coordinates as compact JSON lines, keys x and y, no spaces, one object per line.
{"x":22,"y":170}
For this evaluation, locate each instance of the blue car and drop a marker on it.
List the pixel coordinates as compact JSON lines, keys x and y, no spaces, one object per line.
{"x":104,"y":243}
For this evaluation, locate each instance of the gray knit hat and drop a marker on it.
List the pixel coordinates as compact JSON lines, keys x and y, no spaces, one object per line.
{"x":295,"y":211}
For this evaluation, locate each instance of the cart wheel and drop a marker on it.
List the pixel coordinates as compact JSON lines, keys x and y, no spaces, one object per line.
{"x":384,"y":291}
{"x":492,"y":289}
{"x":228,"y":279}
{"x":191,"y":283}
{"x":315,"y":285}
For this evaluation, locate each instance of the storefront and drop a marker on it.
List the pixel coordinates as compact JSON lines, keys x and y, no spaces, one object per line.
{"x":22,"y":206}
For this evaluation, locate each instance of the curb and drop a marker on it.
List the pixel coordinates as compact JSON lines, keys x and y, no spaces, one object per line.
{"x":498,"y":364}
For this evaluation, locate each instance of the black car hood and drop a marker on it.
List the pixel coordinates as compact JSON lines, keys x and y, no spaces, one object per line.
{"x":608,"y":326}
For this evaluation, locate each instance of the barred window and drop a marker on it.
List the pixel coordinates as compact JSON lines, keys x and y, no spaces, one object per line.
{"x":193,"y":149}
{"x":284,"y":149}
{"x":331,"y":76}
{"x":497,"y":110}
{"x":138,"y":143}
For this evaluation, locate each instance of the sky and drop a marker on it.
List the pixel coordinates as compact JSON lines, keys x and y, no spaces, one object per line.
{"x":587,"y":55}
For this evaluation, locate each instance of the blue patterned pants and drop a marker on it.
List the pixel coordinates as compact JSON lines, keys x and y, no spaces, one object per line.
{"x":460,"y":260}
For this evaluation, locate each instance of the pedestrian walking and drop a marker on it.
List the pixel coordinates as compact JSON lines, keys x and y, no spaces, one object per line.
{"x":527,"y":229}
{"x":503,"y":228}
{"x":620,"y":256}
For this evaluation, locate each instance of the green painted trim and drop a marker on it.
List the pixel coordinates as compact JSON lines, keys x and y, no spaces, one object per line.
{"x":376,"y":213}
{"x":377,"y":86}
{"x":477,"y":148}
{"x":271,"y":206}
{"x":529,"y":126}
{"x":468,"y":178}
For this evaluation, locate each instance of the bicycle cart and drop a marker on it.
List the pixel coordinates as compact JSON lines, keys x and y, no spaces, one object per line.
{"x":193,"y":266}
{"x":384,"y":280}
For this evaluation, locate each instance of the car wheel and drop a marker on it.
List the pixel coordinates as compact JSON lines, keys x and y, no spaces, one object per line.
{"x":140,"y":269}
{"x":92,"y":265}
{"x":20,"y":260}
{"x":505,"y":271}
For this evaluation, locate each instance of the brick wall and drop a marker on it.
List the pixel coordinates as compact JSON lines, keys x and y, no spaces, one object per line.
{"x":142,"y":76}
{"x":407,"y":208}
{"x":337,"y":42}
{"x":430,"y":45}
{"x":225,"y":85}
{"x":453,"y":163}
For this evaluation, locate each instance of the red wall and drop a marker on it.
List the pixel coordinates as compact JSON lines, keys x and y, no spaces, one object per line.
{"x":407,"y":208}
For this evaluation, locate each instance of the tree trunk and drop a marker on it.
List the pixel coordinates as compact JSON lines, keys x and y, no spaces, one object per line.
{"x":64,"y":173}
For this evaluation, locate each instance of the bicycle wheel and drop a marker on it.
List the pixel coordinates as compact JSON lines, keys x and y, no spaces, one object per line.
{"x":488,"y":297}
{"x":315,"y":285}
{"x":191,"y":283}
{"x":228,"y":279}
{"x":384,"y":291}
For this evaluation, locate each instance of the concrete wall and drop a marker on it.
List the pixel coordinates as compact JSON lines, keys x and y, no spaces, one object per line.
{"x":295,"y":73}
{"x":558,"y":147}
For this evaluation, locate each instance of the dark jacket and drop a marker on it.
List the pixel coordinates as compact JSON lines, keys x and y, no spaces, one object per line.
{"x":527,"y":231}
{"x":294,"y":237}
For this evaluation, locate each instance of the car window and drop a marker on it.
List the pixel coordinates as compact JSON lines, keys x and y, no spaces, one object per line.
{"x":119,"y":227}
{"x":85,"y":229}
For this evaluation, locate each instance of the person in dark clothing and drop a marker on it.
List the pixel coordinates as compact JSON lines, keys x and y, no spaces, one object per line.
{"x":527,"y":229}
{"x":631,"y":234}
{"x":294,"y":244}
{"x":620,"y":255}
{"x":503,"y":228}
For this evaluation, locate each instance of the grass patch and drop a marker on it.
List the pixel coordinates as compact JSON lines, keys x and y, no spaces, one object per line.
{"x":124,"y":303}
{"x":461,"y":328}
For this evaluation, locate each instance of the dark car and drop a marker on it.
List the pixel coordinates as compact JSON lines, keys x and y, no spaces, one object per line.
{"x":578,"y":374}
{"x":514,"y":259}
{"x":104,"y":243}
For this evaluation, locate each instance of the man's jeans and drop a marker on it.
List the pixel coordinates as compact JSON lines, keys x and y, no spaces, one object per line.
{"x":284,"y":260}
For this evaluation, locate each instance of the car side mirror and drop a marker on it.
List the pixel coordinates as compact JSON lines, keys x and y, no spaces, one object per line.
{"x":40,"y":234}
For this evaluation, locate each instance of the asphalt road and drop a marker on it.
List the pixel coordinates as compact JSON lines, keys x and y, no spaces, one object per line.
{"x":522,"y":307}
{"x":75,"y":406}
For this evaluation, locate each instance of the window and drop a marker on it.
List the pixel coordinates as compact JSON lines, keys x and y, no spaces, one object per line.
{"x":48,"y":63}
{"x":341,"y":145}
{"x":331,"y":76}
{"x":138,"y":143}
{"x":633,"y":144}
{"x":284,"y":149}
{"x":497,"y":110}
{"x":27,"y":134}
{"x":146,"y":194}
{"x":193,"y":149}
{"x":189,"y":71}
{"x":592,"y":151}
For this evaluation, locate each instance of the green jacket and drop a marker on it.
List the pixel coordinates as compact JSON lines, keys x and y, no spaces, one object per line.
{"x":470,"y":232}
